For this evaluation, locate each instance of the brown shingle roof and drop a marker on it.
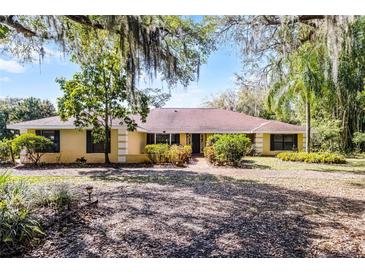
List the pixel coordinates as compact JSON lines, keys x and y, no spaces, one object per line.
{"x":189,"y":120}
{"x":209,"y":120}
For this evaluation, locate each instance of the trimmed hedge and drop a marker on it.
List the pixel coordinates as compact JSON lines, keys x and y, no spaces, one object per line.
{"x":179,"y":155}
{"x":157,"y":153}
{"x":323,"y":158}
{"x":163,"y":153}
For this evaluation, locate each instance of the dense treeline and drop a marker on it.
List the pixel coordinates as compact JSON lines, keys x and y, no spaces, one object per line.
{"x":14,"y":110}
{"x":312,"y":69}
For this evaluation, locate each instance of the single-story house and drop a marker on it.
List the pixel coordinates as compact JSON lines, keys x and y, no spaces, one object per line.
{"x":163,"y":125}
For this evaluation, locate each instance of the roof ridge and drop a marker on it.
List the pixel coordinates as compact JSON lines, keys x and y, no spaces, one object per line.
{"x":263,"y":124}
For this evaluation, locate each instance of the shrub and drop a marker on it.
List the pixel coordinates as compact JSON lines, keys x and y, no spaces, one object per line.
{"x":56,"y":197}
{"x":157,"y":153}
{"x":227,"y":148}
{"x":231,"y":148}
{"x":324,"y":158}
{"x":33,"y":145}
{"x":6,"y":152}
{"x":18,"y":201}
{"x":17,"y":226}
{"x":209,"y":153}
{"x":179,"y":155}
{"x":326,"y":135}
{"x":81,"y":161}
{"x":359,"y":140}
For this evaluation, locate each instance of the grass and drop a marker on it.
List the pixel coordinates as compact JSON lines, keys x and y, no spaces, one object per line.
{"x":353,"y":165}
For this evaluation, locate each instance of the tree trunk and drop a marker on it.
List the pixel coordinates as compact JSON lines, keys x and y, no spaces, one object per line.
{"x":308,"y":125}
{"x":12,"y":154}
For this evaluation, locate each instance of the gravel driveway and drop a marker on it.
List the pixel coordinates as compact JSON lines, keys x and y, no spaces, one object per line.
{"x":202,"y":212}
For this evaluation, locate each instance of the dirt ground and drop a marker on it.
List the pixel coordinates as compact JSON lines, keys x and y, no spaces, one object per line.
{"x":204,"y":211}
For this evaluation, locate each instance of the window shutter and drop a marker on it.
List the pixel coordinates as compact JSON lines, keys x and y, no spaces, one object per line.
{"x":296,"y":141}
{"x":272,"y":142}
{"x":89,"y":143}
{"x":56,"y":141}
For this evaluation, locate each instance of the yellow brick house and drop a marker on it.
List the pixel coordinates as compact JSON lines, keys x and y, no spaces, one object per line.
{"x":163,"y":125}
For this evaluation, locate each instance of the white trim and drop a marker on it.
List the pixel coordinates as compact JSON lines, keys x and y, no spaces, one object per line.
{"x":122,"y":138}
{"x":122,"y":159}
{"x":122,"y":151}
{"x":123,"y":145}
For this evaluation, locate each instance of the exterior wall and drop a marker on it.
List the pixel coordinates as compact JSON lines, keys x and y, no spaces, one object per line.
{"x":73,"y":146}
{"x":183,"y":138}
{"x":266,"y":144}
{"x":136,"y":144}
{"x":128,"y":147}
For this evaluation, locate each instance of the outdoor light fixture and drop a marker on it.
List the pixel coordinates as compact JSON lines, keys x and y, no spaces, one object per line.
{"x":89,"y":190}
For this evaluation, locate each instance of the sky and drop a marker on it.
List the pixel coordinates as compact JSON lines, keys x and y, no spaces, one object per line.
{"x":24,"y":80}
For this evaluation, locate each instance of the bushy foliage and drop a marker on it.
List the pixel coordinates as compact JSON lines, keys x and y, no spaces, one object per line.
{"x":6,"y":151}
{"x":56,"y":197}
{"x":33,"y":145}
{"x":18,"y":202}
{"x":179,"y":155}
{"x":163,"y":153}
{"x":157,"y":153}
{"x":209,"y":153}
{"x":323,"y":158}
{"x":359,"y":140}
{"x":227,"y":148}
{"x":13,"y":110}
{"x":326,"y":135}
{"x":17,"y":226}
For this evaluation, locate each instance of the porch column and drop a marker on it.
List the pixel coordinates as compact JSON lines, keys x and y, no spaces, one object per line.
{"x":122,"y":145}
{"x":259,"y":143}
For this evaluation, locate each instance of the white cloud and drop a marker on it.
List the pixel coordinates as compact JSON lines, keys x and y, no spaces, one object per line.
{"x":11,"y":66}
{"x":4,"y":79}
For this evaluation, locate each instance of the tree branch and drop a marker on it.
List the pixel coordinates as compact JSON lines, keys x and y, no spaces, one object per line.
{"x":11,"y":22}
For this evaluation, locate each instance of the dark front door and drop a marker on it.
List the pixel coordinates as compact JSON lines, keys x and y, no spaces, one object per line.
{"x":195,"y":139}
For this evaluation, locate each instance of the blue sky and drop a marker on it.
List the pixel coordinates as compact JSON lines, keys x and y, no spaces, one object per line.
{"x":17,"y":80}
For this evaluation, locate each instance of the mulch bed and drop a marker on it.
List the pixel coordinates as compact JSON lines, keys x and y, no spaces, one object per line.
{"x":180,"y":213}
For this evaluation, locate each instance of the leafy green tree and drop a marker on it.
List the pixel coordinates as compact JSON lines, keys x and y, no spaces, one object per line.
{"x":304,"y":82}
{"x":98,"y":95}
{"x":359,"y":140}
{"x":14,"y":110}
{"x":34,"y":146}
{"x":312,"y":64}
{"x":326,"y":135}
{"x":171,"y":46}
{"x":245,"y":100}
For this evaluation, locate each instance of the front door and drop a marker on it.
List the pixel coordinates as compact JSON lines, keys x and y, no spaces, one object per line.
{"x":195,"y":140}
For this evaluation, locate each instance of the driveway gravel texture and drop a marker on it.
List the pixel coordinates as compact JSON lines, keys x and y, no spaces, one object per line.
{"x":204,"y":211}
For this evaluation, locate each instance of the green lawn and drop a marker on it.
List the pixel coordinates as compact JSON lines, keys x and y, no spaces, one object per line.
{"x":352,"y":165}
